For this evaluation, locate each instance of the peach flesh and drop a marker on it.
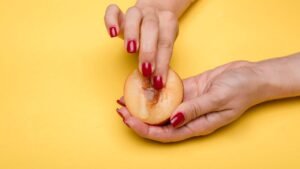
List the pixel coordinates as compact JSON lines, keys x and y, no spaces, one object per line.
{"x":149,"y":105}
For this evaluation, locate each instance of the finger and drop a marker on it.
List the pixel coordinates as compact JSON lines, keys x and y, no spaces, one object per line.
{"x":132,"y":29}
{"x":194,"y":108}
{"x":113,"y":20}
{"x":120,"y":114}
{"x":168,"y":133}
{"x":198,"y":85}
{"x":134,"y":123}
{"x":121,"y":101}
{"x":210,"y":122}
{"x":203,"y":125}
{"x":149,"y":37}
{"x":168,"y":29}
{"x":190,"y":88}
{"x":157,"y":133}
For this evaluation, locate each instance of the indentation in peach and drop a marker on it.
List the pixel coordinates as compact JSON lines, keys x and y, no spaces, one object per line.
{"x":149,"y":105}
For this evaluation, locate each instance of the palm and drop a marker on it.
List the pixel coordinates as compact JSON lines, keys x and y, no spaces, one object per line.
{"x":205,"y":124}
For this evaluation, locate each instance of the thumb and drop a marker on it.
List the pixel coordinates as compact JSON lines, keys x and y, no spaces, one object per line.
{"x":194,"y":108}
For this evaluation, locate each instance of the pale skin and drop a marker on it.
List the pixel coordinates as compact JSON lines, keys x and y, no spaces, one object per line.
{"x":149,"y":28}
{"x":219,"y":96}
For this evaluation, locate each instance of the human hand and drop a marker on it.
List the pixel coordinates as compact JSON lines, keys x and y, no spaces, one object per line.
{"x":211,"y":100}
{"x":149,"y":30}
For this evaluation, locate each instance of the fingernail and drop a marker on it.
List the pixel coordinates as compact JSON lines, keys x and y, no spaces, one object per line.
{"x":113,"y":31}
{"x":177,"y":119}
{"x":131,"y":46}
{"x":157,"y":82}
{"x":147,"y":69}
{"x":121,"y":103}
{"x":118,"y":111}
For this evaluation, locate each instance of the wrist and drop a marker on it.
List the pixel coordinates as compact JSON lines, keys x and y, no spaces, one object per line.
{"x":280,"y":77}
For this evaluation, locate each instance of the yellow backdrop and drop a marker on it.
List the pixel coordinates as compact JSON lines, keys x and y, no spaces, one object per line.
{"x":60,"y":75}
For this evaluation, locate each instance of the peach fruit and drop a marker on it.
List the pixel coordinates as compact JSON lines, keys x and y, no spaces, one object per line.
{"x":152,"y":106}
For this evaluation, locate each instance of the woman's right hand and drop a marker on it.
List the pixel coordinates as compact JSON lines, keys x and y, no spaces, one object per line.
{"x":149,"y":31}
{"x":212,"y":100}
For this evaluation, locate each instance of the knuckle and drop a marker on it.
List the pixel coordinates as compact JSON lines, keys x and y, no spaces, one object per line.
{"x":195,"y":110}
{"x":133,"y":11}
{"x":168,"y":16}
{"x":151,"y":24}
{"x":207,"y":132}
{"x":148,"y":10}
{"x":205,"y":129}
{"x":148,"y":55}
{"x":228,"y":116}
{"x":157,"y":136}
{"x":191,"y":131}
{"x":169,"y":21}
{"x":166,"y":44}
{"x":218,"y":99}
{"x":141,"y":132}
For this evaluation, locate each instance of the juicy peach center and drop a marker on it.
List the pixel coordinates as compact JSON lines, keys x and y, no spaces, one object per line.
{"x":150,"y":93}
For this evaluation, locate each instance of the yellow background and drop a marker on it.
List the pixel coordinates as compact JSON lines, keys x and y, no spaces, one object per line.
{"x":60,"y":75}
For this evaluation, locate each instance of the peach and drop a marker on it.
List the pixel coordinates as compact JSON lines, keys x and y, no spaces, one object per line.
{"x":152,"y":106}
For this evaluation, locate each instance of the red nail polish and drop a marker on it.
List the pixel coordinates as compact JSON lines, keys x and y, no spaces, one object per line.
{"x":147,"y":69}
{"x":131,"y":46}
{"x":113,"y":31}
{"x":121,"y":103}
{"x":157,"y":82}
{"x":177,"y":119}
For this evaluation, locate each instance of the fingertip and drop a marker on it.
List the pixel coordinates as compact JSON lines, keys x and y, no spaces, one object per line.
{"x":111,"y":19}
{"x":178,"y":119}
{"x":133,"y":19}
{"x":146,"y":68}
{"x":121,"y":103}
{"x":131,"y":45}
{"x":157,"y":82}
{"x":160,"y":77}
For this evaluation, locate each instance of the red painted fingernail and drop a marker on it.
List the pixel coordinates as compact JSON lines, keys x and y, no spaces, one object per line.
{"x":121,"y":103}
{"x":147,"y":69}
{"x":157,"y":82}
{"x":177,"y":119}
{"x":118,"y":111}
{"x":131,"y":46}
{"x":113,"y":31}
